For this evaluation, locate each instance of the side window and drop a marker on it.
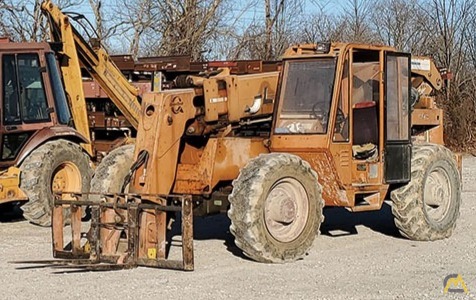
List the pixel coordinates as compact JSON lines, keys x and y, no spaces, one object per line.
{"x":64,"y":115}
{"x":341,"y":129}
{"x":11,"y":105}
{"x":398,"y":74}
{"x":32,"y":91}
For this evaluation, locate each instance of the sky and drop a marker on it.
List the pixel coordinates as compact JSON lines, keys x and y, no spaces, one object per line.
{"x":240,"y":8}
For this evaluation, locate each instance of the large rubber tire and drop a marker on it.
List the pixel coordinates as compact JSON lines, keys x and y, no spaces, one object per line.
{"x":109,"y":178}
{"x":258,"y":192}
{"x":426,"y":209}
{"x":111,"y":172}
{"x":61,"y":163}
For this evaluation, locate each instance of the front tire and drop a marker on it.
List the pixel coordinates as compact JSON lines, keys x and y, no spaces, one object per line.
{"x":58,"y":165}
{"x":111,"y":172}
{"x":426,"y":209}
{"x":108,"y":179}
{"x":276,"y":208}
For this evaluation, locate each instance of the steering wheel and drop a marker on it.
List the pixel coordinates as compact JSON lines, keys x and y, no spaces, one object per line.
{"x":322,"y":115}
{"x":340,"y":118}
{"x":318,"y":112}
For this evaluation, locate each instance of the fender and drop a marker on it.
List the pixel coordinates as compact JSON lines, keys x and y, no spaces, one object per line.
{"x":47,"y":134}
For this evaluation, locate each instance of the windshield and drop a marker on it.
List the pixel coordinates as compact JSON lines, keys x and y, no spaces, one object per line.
{"x":306,"y":96}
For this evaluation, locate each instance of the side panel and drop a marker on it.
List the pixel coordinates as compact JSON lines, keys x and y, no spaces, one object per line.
{"x":10,"y":183}
{"x":220,"y":160}
{"x":323,"y":163}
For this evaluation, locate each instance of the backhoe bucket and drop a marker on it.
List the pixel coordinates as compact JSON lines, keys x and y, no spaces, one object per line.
{"x":87,"y":250}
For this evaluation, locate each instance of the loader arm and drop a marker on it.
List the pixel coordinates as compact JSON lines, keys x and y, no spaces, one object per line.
{"x":99,"y":65}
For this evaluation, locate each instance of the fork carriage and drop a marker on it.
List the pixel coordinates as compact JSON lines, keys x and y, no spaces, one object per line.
{"x":84,"y":249}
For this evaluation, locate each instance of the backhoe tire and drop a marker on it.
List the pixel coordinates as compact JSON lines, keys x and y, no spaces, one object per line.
{"x":111,"y":172}
{"x":58,"y":165}
{"x":426,"y":209}
{"x":276,"y":208}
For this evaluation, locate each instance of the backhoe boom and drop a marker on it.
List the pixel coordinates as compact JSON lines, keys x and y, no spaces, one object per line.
{"x":99,"y":65}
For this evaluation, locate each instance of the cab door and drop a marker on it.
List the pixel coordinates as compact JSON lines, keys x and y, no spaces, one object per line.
{"x":397,"y":118}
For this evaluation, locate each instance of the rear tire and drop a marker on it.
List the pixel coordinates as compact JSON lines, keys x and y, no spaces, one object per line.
{"x":276,"y":208}
{"x":426,"y":209}
{"x":56,"y":165}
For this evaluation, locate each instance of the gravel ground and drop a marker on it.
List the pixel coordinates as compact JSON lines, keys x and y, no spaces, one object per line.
{"x":357,"y":256}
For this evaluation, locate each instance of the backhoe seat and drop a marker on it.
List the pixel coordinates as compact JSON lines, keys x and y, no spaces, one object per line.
{"x":365,"y":123}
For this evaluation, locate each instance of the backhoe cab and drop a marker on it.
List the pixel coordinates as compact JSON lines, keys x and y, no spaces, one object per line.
{"x":334,"y":127}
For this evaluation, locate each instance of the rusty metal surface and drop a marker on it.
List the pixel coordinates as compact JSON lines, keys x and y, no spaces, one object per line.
{"x":124,"y":62}
{"x":175,"y":63}
{"x":200,"y":170}
{"x":84,"y":252}
{"x":322,"y":163}
{"x":93,"y":90}
{"x":24,"y":47}
{"x":187,"y":234}
{"x":160,"y":133}
{"x":99,"y":120}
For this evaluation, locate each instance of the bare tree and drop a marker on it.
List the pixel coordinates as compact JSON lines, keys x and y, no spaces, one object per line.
{"x":322,"y":26}
{"x":96,"y":6}
{"x":185,"y":25}
{"x":399,"y":23}
{"x":134,"y":19}
{"x":267,"y":38}
{"x":271,"y":19}
{"x":22,"y":20}
{"x":356,"y":14}
{"x":449,"y":26}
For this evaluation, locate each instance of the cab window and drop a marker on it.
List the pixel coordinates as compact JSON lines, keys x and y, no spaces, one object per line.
{"x":23,"y":90}
{"x":307,"y":95}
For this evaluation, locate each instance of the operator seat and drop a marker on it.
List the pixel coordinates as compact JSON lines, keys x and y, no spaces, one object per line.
{"x":365,"y":128}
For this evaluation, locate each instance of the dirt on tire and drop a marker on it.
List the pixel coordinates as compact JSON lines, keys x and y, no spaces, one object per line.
{"x":409,"y":210}
{"x":37,"y":171}
{"x":109,"y":175}
{"x":248,"y":198}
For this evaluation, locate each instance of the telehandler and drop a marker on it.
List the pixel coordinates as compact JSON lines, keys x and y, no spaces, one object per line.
{"x":339,"y":125}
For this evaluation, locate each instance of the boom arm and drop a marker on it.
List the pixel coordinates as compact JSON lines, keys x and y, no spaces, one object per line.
{"x":425,"y":75}
{"x":99,"y":65}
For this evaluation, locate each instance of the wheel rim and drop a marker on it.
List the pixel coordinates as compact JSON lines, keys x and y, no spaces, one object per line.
{"x":66,"y":177}
{"x":437,"y":194}
{"x":286,"y":210}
